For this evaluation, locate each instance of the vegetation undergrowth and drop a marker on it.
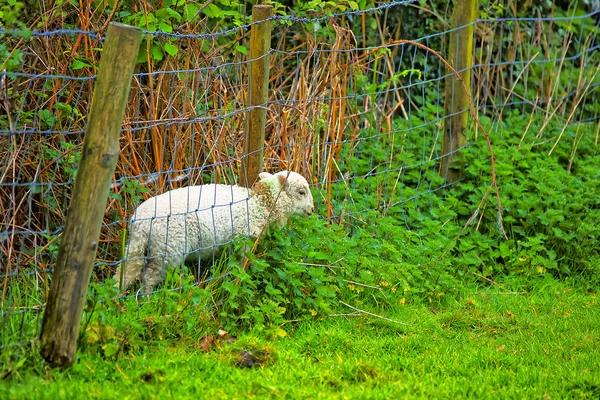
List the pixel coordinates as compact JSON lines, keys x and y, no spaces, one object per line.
{"x":550,"y":204}
{"x":416,"y":276}
{"x":519,"y":338}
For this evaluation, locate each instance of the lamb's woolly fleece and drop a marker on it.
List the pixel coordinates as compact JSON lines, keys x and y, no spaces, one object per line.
{"x":196,"y":221}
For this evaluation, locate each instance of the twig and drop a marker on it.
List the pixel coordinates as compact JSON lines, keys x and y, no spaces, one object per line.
{"x":121,"y":371}
{"x":375,"y":315}
{"x":498,"y":293}
{"x":512,"y":89}
{"x":354,"y":314}
{"x":324,"y":265}
{"x":202,"y":7}
{"x":487,"y":279}
{"x":110,"y":16}
{"x":471,"y":218}
{"x":581,"y":97}
{"x":537,"y":96}
{"x":362,"y":284}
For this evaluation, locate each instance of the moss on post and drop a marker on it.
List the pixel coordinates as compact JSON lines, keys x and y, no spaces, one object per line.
{"x":73,"y":269}
{"x":456,"y":101}
{"x":260,"y":44}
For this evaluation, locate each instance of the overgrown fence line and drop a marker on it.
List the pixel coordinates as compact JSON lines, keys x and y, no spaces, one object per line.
{"x":361,"y":122}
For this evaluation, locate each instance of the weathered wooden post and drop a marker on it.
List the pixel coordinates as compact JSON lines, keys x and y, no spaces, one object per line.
{"x":62,"y":317}
{"x":258,"y":86}
{"x":456,"y":101}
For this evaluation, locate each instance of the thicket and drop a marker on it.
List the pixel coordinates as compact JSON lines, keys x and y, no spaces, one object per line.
{"x":422,"y":252}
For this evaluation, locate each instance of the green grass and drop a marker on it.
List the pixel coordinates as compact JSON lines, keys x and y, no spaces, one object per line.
{"x":534,"y":337}
{"x":533,"y":333}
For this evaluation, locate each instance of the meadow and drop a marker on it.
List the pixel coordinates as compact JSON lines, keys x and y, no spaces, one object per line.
{"x":371,"y":308}
{"x":402,"y":284}
{"x":519,"y":338}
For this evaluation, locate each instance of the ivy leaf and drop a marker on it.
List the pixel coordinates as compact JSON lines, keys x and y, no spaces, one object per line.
{"x":241,"y":49}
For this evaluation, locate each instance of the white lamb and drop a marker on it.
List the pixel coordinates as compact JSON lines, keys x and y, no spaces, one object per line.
{"x":194,"y":222}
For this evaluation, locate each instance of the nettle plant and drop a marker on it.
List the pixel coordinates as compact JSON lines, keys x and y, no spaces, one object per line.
{"x":368,"y":261}
{"x":550,"y":203}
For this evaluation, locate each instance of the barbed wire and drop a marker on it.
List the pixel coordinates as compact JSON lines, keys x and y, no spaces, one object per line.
{"x":291,"y":19}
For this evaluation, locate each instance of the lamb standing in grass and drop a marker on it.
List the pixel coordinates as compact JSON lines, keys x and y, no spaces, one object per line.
{"x":193,"y":222}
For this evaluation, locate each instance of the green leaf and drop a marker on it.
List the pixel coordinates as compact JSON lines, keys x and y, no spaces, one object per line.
{"x":110,"y":349}
{"x":410,"y":71}
{"x":189,"y":12}
{"x":167,"y":13}
{"x":163,"y":26}
{"x":47,"y":117}
{"x":230,"y":13}
{"x":212,"y":11}
{"x":241,"y":49}
{"x":171,"y":49}
{"x":78,"y":64}
{"x":280,"y":333}
{"x":142,"y":56}
{"x":39,"y":188}
{"x":157,"y":52}
{"x":373,"y":23}
{"x":148,"y":23}
{"x":353,"y":5}
{"x":116,"y":196}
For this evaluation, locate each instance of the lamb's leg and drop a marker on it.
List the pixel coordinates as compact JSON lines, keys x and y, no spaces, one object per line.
{"x":134,"y":260}
{"x":153,"y":275}
{"x":132,"y":272}
{"x":156,"y":267}
{"x":169,"y":248}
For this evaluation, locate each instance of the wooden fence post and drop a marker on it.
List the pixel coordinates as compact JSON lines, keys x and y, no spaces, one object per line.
{"x":456,"y":101}
{"x":258,"y":86}
{"x":71,"y":277}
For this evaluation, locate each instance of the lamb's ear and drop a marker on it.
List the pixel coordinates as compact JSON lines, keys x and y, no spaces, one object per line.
{"x":282,"y":177}
{"x":263,"y":176}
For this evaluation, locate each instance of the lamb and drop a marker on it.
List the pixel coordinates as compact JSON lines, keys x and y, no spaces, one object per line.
{"x":194,"y":222}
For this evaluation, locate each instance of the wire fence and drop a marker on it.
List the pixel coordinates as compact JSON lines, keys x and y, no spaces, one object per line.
{"x":363,"y":123}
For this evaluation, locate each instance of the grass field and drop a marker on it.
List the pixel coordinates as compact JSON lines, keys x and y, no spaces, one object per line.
{"x":401,"y":285}
{"x":531,"y":337}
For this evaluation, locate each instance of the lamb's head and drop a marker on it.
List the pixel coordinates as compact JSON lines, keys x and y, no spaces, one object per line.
{"x":291,"y":192}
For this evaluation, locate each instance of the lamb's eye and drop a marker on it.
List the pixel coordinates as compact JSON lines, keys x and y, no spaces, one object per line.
{"x":302,"y":192}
